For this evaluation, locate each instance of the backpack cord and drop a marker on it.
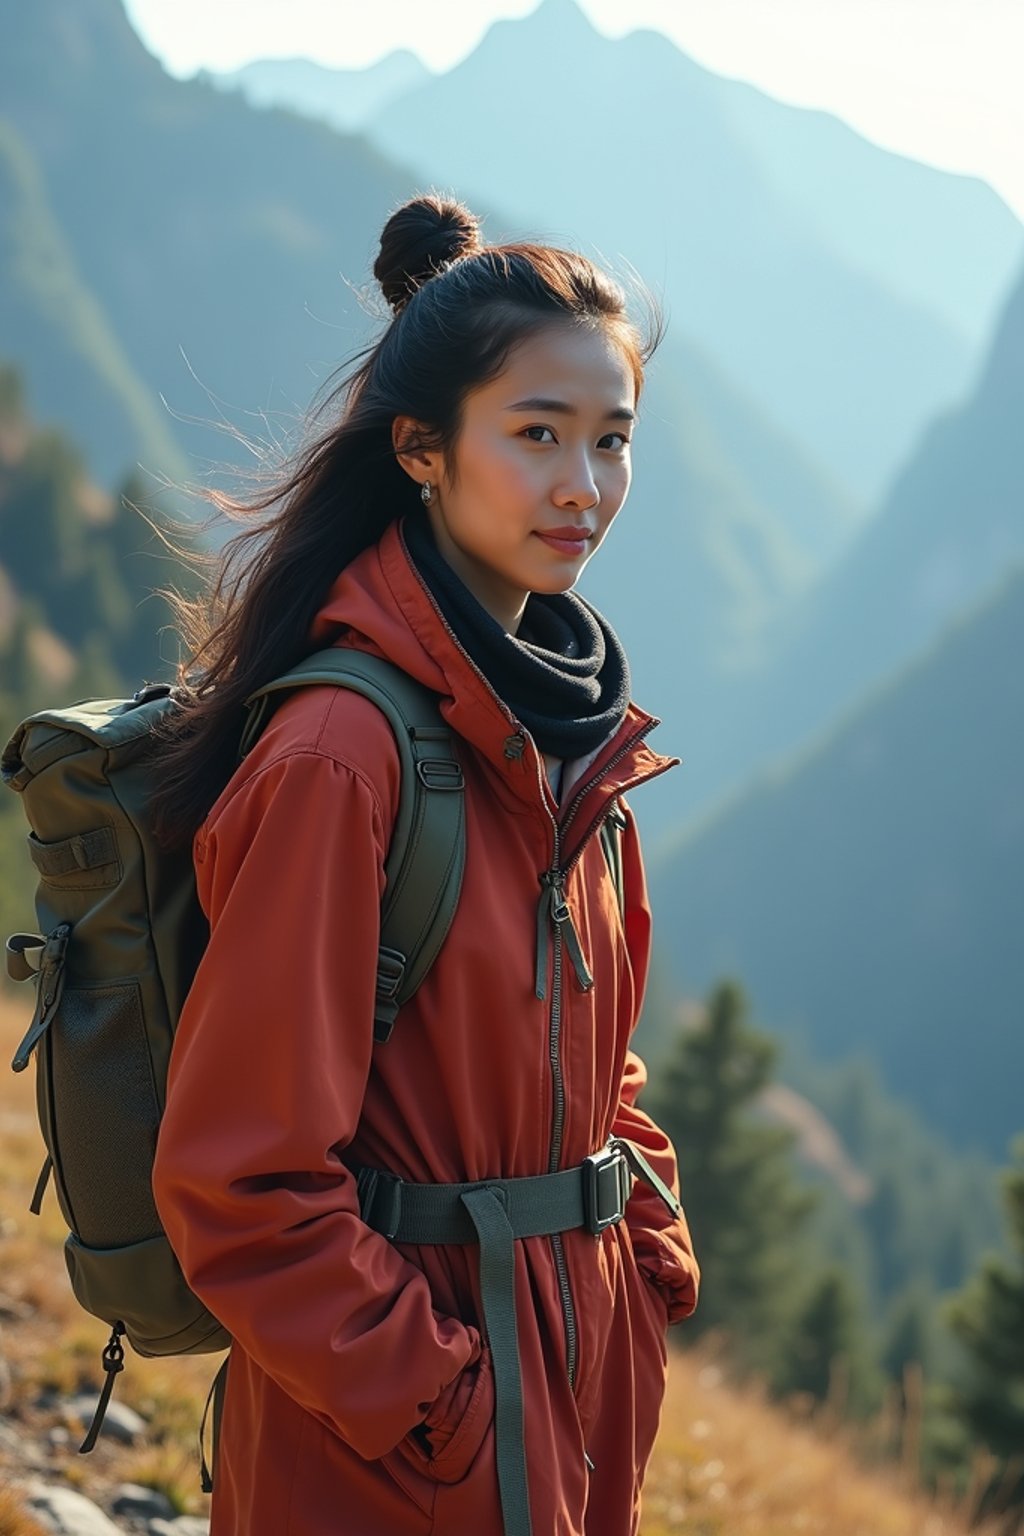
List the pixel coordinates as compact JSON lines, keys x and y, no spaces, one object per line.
{"x":113,"y":1362}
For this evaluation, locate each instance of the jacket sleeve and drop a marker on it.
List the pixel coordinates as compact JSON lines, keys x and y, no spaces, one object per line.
{"x":266,"y":1081}
{"x":661,"y":1242}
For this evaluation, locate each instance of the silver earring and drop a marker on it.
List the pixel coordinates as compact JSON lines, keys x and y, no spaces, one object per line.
{"x":426,"y":493}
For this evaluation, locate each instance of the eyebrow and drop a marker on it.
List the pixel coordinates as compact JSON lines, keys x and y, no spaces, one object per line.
{"x":539,"y":403}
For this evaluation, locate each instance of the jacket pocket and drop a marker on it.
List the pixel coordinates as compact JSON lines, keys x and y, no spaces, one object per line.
{"x":459,"y":1435}
{"x":663,"y":1298}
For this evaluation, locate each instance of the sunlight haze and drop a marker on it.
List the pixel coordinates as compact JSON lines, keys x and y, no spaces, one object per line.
{"x":937,"y":80}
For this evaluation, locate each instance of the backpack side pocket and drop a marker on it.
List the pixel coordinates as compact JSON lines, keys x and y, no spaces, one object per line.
{"x":97,"y":1103}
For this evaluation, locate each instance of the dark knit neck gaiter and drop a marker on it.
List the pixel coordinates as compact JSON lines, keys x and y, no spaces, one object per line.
{"x":564,"y":675}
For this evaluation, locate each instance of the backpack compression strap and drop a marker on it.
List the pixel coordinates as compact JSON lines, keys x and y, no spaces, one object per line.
{"x":425,"y":862}
{"x":612,"y":829}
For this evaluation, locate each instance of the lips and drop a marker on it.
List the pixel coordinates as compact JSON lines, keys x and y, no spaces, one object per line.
{"x":570,"y":543}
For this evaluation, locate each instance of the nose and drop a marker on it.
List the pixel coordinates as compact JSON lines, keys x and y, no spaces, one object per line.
{"x":579,"y":488}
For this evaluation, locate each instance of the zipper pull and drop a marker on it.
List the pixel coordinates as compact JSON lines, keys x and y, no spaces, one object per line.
{"x":563,"y":917}
{"x":553,"y":905}
{"x":51,"y":987}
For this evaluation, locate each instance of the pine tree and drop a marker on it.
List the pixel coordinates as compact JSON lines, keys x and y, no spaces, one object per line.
{"x":908,"y":1339}
{"x":742,"y":1200}
{"x":826,"y":1355}
{"x":988,"y":1317}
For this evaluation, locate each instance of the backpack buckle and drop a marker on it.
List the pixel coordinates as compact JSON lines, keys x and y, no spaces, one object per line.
{"x":390,"y":971}
{"x":439,"y":773}
{"x":24,"y":953}
{"x":150,"y":691}
{"x":607,"y":1181}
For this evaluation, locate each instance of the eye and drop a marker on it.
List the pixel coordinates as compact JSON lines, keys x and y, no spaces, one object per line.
{"x":623,"y":439}
{"x":528,"y":430}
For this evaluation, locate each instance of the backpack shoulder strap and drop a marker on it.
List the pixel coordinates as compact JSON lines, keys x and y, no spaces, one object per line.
{"x":425,"y":862}
{"x":612,"y":829}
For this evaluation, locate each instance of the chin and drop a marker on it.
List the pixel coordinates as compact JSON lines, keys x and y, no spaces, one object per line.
{"x":551,"y":585}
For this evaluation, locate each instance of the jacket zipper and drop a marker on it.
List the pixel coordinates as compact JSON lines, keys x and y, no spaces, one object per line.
{"x":553,"y":906}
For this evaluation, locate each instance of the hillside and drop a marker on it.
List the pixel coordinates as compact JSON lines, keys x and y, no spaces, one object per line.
{"x":948,"y":532}
{"x":868,"y":892}
{"x":726,"y":1462}
{"x":78,"y":616}
{"x":52,"y":325}
{"x":215,"y":238}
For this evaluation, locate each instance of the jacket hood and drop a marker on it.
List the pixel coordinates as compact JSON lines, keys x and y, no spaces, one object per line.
{"x":380,"y":603}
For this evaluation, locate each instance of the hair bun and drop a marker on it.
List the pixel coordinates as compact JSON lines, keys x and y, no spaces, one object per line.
{"x":419,"y":240}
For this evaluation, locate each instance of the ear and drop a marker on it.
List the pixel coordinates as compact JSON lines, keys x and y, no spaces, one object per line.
{"x":420,"y":463}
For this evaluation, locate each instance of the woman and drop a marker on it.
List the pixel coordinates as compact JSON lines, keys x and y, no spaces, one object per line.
{"x":378,"y":1385}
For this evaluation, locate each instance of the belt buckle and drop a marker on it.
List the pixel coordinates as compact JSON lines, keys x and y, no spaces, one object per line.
{"x":606,"y":1186}
{"x":380,"y":1200}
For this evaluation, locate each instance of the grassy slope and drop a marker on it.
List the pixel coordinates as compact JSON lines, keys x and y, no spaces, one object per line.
{"x":726,"y":1463}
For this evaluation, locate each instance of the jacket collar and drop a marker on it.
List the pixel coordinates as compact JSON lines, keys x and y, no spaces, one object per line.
{"x":380,"y":603}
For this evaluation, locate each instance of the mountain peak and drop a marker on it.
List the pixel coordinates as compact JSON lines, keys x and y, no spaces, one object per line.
{"x":561,"y":15}
{"x":555,"y":26}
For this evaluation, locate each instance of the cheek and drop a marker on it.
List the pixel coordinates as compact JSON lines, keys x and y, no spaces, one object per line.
{"x":493,"y":464}
{"x":508,"y":476}
{"x":617,"y":489}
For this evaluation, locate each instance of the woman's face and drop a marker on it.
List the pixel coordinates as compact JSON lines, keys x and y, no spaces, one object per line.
{"x":540,"y":467}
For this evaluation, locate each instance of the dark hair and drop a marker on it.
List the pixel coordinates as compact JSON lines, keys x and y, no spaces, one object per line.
{"x":460,"y":307}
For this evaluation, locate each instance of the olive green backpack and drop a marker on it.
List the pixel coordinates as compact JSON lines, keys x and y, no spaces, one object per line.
{"x":121,"y":936}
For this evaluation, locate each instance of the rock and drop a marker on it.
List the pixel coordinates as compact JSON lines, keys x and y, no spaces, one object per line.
{"x":10,"y":1440}
{"x":120,"y":1422}
{"x":13,"y":1311}
{"x":139,"y":1503}
{"x":27,"y":1453}
{"x":67,"y":1513}
{"x":58,"y":1437}
{"x":185,"y":1525}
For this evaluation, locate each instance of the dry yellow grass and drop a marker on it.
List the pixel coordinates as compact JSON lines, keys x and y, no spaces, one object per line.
{"x":14,"y":1519}
{"x":727,"y":1462}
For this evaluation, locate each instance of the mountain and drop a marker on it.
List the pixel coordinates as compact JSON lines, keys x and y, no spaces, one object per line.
{"x":227,"y":250}
{"x":52,"y":324}
{"x":219,"y":240}
{"x":631,"y":145}
{"x":869,"y":892}
{"x":884,"y":213}
{"x":951,"y":526}
{"x":344,"y":98}
{"x":952,"y":523}
{"x":225,"y":245}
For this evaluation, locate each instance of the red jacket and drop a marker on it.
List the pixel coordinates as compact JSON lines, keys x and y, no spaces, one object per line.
{"x":346,"y":1341}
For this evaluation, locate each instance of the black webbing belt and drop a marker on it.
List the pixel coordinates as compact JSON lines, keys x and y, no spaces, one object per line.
{"x":493,"y":1213}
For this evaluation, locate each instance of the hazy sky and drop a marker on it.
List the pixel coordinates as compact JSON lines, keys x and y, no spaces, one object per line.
{"x":940,"y":80}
